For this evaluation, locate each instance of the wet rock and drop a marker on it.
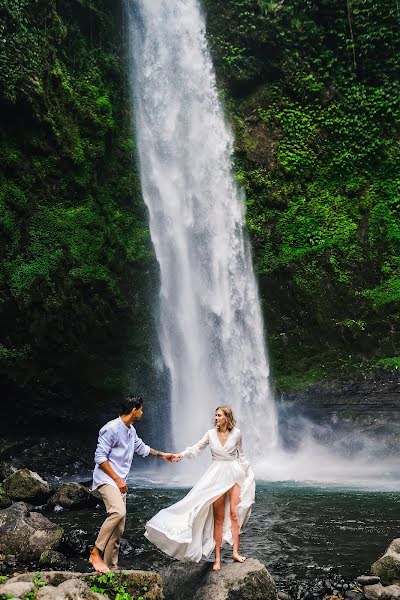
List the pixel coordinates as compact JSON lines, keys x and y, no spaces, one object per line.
{"x":5,"y":500}
{"x":284,"y":596}
{"x":51,"y":558}
{"x":377,"y":590}
{"x":368,"y":580}
{"x":72,"y":496}
{"x":353,"y":595}
{"x":247,"y":581}
{"x":147,"y":584}
{"x":72,"y":589}
{"x":388,"y":566}
{"x":74,"y":544}
{"x":58,"y":584}
{"x":13,"y":589}
{"x":26,"y":534}
{"x":28,"y":486}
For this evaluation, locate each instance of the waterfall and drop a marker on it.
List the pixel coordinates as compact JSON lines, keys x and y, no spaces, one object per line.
{"x":210,"y":325}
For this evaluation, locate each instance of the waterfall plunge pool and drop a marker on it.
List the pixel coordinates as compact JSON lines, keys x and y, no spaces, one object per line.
{"x":299,"y":532}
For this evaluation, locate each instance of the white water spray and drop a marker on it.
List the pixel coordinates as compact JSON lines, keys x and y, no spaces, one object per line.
{"x":211,"y":330}
{"x":210,"y":325}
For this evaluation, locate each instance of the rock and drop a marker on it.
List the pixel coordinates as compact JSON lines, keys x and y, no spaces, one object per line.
{"x":72,"y":495}
{"x":51,"y":558}
{"x":353,"y":595}
{"x":5,"y":500}
{"x":16,"y":588}
{"x":147,"y":584}
{"x":284,"y":596}
{"x":27,"y":485}
{"x":72,"y":589}
{"x":60,"y":583}
{"x":247,"y":581}
{"x":26,"y":534}
{"x":388,"y":566}
{"x":377,"y":590}
{"x":368,"y":580}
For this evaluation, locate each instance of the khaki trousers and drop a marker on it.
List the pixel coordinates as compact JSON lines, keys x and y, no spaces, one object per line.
{"x":113,"y":527}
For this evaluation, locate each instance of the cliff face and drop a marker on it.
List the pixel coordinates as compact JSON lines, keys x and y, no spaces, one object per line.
{"x":312,"y":91}
{"x":77,"y":268}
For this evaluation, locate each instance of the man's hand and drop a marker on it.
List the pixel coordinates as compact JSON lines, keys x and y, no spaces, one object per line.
{"x":177,"y":457}
{"x":123,"y":488}
{"x":167,"y":456}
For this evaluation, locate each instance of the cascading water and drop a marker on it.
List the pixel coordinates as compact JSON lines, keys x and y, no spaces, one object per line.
{"x":210,"y":325}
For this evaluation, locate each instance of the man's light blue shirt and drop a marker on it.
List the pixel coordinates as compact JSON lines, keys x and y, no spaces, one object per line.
{"x":117,"y":443}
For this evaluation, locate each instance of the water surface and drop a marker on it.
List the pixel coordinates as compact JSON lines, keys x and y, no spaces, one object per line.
{"x":298,"y":532}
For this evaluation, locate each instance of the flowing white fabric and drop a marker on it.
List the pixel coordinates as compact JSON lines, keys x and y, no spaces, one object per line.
{"x":185,"y":530}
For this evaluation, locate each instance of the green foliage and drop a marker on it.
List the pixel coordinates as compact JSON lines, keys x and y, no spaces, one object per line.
{"x":114,"y":586}
{"x":38,"y":582}
{"x":316,"y":114}
{"x":76,"y":257}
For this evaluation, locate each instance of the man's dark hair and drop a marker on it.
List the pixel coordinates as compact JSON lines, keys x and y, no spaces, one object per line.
{"x":130,"y":403}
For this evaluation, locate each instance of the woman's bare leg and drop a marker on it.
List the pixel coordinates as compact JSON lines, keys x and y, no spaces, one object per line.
{"x":219,"y":512}
{"x":234,"y":495}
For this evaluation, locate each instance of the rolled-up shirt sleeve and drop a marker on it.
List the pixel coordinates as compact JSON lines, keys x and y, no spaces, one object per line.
{"x":141,"y":448}
{"x":105,"y":443}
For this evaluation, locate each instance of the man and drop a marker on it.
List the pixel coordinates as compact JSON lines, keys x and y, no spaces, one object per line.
{"x":117,"y":443}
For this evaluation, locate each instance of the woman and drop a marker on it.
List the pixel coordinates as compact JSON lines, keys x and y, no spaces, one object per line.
{"x":217,"y":507}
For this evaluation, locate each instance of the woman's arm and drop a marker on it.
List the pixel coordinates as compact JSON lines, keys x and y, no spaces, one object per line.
{"x":193,"y":451}
{"x":241,"y":455}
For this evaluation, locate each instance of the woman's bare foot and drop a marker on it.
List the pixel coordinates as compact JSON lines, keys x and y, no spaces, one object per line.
{"x":97,"y":562}
{"x":238,"y":558}
{"x":217,"y":565}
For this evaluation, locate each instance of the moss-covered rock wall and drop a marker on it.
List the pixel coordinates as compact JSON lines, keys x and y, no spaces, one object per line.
{"x":312,"y":89}
{"x":77,"y":269}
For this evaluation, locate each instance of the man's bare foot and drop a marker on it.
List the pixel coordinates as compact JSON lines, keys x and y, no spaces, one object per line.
{"x":98,"y":563}
{"x":217,"y":565}
{"x":238,"y":558}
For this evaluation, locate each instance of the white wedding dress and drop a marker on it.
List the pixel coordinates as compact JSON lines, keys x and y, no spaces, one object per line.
{"x":185,"y":530}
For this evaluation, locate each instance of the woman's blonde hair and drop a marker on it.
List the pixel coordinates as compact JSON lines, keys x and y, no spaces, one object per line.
{"x":229,"y":416}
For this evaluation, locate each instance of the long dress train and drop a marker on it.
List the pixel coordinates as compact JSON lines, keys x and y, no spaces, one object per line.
{"x":185,"y":530}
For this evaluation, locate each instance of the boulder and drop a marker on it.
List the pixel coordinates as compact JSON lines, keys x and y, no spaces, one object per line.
{"x":55,"y":585}
{"x":13,"y":589}
{"x":247,"y":581}
{"x":144,"y":584}
{"x":378,"y":591}
{"x":26,"y":534}
{"x":388,"y":566}
{"x":27,"y":485}
{"x":5,"y":500}
{"x":72,"y":496}
{"x":72,"y":589}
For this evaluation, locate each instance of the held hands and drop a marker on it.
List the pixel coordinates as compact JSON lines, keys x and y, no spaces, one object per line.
{"x":171,"y":457}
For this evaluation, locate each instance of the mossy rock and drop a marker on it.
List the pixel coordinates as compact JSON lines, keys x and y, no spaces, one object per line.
{"x":388,"y":566}
{"x":5,"y":500}
{"x":27,"y":485}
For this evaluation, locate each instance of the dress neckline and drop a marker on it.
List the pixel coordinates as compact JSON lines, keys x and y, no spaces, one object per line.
{"x":226,"y":441}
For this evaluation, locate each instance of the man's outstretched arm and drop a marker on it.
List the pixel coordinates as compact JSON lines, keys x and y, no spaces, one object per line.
{"x":164,"y":455}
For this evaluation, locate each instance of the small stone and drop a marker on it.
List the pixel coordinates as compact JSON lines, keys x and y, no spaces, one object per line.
{"x":353,"y":595}
{"x":51,"y":558}
{"x":284,"y":596}
{"x":368,"y":580}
